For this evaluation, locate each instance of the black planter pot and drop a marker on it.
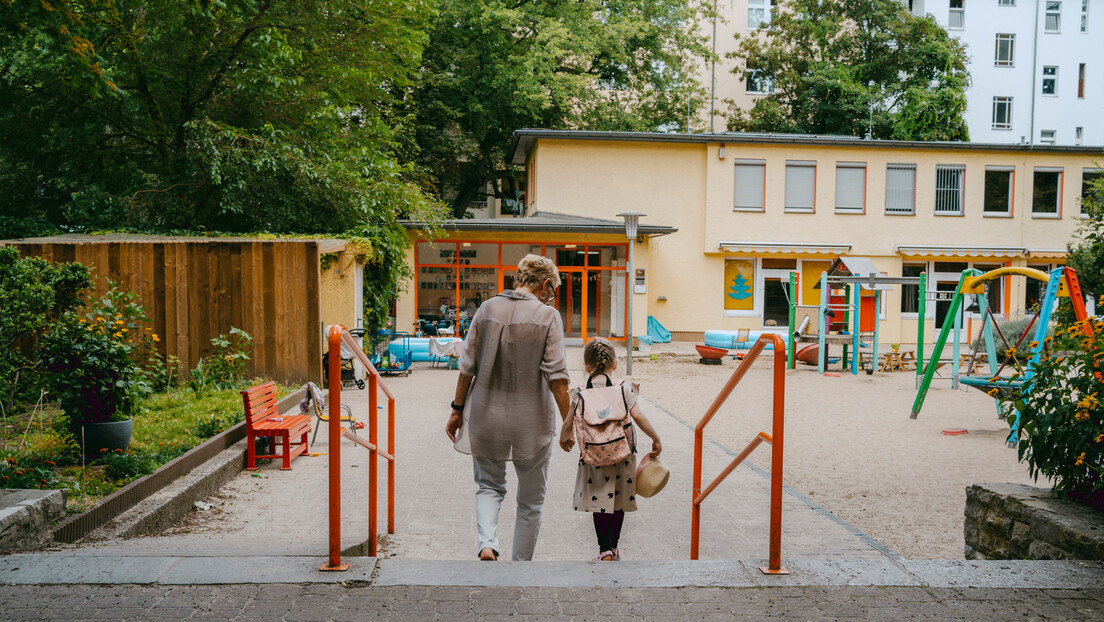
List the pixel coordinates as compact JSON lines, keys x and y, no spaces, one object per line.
{"x":111,"y":435}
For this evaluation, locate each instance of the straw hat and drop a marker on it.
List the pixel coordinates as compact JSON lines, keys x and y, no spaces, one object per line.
{"x":651,"y":476}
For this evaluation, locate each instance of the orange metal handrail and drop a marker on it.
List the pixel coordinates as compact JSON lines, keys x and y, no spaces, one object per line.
{"x":337,"y":336}
{"x":774,"y":439}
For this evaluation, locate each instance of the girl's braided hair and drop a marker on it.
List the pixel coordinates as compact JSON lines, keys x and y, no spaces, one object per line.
{"x":598,"y":355}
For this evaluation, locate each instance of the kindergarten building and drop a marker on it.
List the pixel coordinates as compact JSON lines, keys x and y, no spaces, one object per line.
{"x":730,"y":216}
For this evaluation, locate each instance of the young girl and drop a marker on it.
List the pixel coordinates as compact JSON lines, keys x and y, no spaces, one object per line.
{"x":607,"y":491}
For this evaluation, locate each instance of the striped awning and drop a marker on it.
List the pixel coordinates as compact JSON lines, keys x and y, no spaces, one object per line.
{"x":780,"y":248}
{"x":1046,"y":253}
{"x":927,"y":250}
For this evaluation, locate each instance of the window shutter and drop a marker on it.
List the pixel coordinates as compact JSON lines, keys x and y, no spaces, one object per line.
{"x":850,"y":188}
{"x":749,"y":186}
{"x":800,"y":186}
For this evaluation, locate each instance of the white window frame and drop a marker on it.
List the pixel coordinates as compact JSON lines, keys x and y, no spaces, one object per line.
{"x":1006,"y":2}
{"x":1007,"y":103}
{"x":764,"y":83}
{"x":764,"y":6}
{"x":902,"y":193}
{"x":1055,"y":12}
{"x":956,"y":13}
{"x":1058,"y":194}
{"x":1010,"y":38}
{"x":1048,"y":137}
{"x":1078,"y":135}
{"x":1053,"y":78}
{"x":1008,"y":211}
{"x":746,"y":166}
{"x":943,"y":174}
{"x":803,"y":166}
{"x":760,"y":286}
{"x":850,"y":209}
{"x":1084,"y":16}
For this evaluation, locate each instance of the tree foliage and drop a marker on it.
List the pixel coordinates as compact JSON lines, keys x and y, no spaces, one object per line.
{"x":494,"y":66}
{"x":231,"y":115}
{"x":832,"y":61}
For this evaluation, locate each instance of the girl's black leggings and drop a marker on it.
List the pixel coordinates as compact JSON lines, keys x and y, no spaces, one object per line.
{"x":608,"y":529}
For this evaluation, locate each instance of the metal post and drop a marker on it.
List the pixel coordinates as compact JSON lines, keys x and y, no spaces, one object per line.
{"x":391,"y":465}
{"x":791,"y":348}
{"x":629,"y":320}
{"x":921,"y":312}
{"x":877,"y":315}
{"x":822,"y":324}
{"x":777,"y":431}
{"x":856,"y":323}
{"x":334,"y":361}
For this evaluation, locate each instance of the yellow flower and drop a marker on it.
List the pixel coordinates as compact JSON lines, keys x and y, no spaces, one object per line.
{"x":1082,"y":415}
{"x":1099,"y":437}
{"x":1080,"y":460}
{"x":155,"y":338}
{"x":993,"y":392}
{"x":1010,"y":352}
{"x":1033,"y":344}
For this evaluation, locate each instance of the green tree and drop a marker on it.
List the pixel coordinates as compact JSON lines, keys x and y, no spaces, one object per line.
{"x":833,"y":61}
{"x":494,"y":66}
{"x":1086,"y":253}
{"x":231,"y":115}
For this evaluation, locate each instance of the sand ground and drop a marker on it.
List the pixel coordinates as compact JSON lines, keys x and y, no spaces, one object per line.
{"x":850,"y":445}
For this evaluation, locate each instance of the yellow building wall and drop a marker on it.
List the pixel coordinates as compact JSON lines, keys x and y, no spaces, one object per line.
{"x":689,"y":186}
{"x":338,"y":293}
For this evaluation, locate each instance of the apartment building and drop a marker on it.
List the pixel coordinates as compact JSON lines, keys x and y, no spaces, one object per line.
{"x":1037,"y":66}
{"x":745,"y":210}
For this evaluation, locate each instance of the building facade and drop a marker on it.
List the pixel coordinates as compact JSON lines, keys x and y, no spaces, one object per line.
{"x":752,"y":209}
{"x":1036,"y":66}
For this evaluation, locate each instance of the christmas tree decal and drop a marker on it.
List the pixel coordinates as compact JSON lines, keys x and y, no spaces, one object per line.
{"x":740,"y":289}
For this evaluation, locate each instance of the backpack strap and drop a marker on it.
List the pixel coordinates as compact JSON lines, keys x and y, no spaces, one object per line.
{"x":590,"y":381}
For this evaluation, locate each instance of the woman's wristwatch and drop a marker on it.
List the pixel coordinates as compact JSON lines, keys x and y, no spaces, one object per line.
{"x":459,"y":407}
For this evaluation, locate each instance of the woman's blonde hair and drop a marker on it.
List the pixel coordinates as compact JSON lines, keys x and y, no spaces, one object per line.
{"x":598,"y":355}
{"x":533,"y":270}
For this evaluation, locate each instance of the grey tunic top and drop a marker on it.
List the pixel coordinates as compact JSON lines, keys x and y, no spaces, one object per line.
{"x":514,"y":348}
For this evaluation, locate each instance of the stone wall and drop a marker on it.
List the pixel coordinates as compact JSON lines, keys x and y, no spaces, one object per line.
{"x":1012,"y":521}
{"x":26,"y":517}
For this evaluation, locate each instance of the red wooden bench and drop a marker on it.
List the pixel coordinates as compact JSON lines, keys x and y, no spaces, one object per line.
{"x":263,"y":418}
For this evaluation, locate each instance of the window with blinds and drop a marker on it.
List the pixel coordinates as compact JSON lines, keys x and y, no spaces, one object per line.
{"x":749,"y":188}
{"x":851,"y":187}
{"x":800,"y":186}
{"x":950,"y":183}
{"x":900,"y":189}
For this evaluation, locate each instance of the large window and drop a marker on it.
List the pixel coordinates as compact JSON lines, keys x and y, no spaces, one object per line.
{"x":851,"y":187}
{"x":910,"y":294}
{"x":998,"y":190}
{"x":1006,"y":50}
{"x":950,"y":184}
{"x":1050,"y":80}
{"x":759,"y":13}
{"x":956,"y":15}
{"x":1046,"y":193}
{"x":1089,"y":177}
{"x":900,"y":189}
{"x":800,"y":186}
{"x":1002,"y":113}
{"x":749,"y":189}
{"x":1053,"y":21}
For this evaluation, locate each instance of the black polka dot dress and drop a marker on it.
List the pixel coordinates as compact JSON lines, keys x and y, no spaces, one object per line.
{"x":607,"y":488}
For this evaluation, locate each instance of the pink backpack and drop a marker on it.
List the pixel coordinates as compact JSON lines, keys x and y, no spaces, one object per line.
{"x":603,"y":425}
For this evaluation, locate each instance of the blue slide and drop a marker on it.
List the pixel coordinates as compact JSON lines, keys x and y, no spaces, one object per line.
{"x":656,"y":332}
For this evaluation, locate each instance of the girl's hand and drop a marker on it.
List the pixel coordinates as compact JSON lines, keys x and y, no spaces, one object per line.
{"x":567,"y":437}
{"x":657,"y":448}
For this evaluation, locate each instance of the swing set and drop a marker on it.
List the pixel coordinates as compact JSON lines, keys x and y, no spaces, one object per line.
{"x":1060,"y":283}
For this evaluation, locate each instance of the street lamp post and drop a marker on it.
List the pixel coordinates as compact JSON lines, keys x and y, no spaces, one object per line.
{"x":631,"y":220}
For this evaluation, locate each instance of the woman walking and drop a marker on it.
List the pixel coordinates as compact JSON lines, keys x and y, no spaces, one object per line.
{"x":513,"y":380}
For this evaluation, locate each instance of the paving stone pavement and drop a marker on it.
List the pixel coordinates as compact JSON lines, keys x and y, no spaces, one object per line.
{"x":355,"y":602}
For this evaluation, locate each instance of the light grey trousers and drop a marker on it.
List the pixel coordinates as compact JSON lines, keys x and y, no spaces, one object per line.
{"x":490,"y":476}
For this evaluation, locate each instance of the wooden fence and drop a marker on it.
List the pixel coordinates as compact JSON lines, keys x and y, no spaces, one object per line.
{"x":197,"y":288}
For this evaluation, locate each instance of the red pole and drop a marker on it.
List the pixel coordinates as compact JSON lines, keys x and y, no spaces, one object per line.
{"x":391,"y":465}
{"x":334,"y":362}
{"x":775,"y":561}
{"x":695,"y":509}
{"x":372,"y":460}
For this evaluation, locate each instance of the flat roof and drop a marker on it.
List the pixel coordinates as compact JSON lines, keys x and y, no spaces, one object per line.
{"x":522,"y":141}
{"x":547,"y":222}
{"x":325,"y":245}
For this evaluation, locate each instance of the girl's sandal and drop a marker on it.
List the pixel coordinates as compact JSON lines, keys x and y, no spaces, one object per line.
{"x":488,"y":555}
{"x":604,"y":556}
{"x":616,"y":554}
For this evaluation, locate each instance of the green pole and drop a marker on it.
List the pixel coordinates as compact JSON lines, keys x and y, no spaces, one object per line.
{"x":922,"y":316}
{"x":791,"y":348}
{"x":925,"y":384}
{"x":822,"y":325}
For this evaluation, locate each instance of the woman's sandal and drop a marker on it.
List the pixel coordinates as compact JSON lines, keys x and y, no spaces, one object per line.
{"x":605,"y":556}
{"x":488,"y":555}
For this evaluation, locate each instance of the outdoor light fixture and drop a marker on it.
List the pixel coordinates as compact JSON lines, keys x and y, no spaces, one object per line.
{"x":467,"y":243}
{"x":631,"y":220}
{"x":722,"y":152}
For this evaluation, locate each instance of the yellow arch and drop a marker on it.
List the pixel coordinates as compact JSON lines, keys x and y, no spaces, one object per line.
{"x":976,"y":284}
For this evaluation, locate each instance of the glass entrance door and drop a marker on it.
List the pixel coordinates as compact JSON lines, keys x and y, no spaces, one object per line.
{"x":569,"y":302}
{"x":776,"y":302}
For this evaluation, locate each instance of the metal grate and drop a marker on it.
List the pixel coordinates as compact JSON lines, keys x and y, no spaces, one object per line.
{"x":949,"y":184}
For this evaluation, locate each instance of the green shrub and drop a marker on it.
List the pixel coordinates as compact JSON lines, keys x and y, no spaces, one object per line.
{"x":217,"y":423}
{"x":28,"y":473}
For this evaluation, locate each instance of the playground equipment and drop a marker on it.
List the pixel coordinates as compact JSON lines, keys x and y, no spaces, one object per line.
{"x":845,"y":319}
{"x":774,"y":564}
{"x":337,"y":336}
{"x":389,"y":359}
{"x":1061,"y":283}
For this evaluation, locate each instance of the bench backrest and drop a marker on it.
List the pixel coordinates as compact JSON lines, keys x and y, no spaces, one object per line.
{"x":260,"y":403}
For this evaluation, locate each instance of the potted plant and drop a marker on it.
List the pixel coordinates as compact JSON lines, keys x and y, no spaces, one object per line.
{"x":895,"y":346}
{"x":94,"y":359}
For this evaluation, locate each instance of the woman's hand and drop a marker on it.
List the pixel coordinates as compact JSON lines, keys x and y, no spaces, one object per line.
{"x":455,"y":421}
{"x":657,"y":448}
{"x":567,"y":436}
